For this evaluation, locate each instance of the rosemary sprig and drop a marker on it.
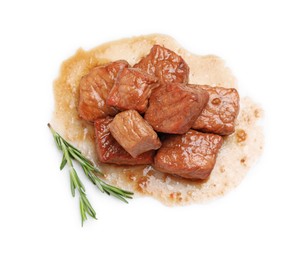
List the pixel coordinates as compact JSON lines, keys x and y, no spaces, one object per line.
{"x":71,"y":153}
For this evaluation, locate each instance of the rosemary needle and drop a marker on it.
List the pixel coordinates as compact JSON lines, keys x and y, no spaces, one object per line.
{"x":71,"y":153}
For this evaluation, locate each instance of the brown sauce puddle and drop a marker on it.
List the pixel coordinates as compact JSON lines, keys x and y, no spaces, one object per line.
{"x":233,"y":161}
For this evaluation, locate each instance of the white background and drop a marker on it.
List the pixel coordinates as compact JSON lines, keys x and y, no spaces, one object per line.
{"x":264,"y":42}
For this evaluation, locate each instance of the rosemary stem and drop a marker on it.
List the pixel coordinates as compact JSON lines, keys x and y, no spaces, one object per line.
{"x":71,"y":153}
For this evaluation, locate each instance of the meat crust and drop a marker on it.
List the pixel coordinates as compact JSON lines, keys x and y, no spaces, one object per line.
{"x":132,"y":89}
{"x":174,"y":108}
{"x":219,"y":115}
{"x":191,"y":155}
{"x":133,"y":133}
{"x":110,"y":151}
{"x":165,"y":64}
{"x":94,"y":90}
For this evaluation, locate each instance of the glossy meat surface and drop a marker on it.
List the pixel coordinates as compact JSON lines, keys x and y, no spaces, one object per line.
{"x":132,"y":89}
{"x":110,"y":151}
{"x":174,"y":108}
{"x":133,"y":133}
{"x":165,"y":64}
{"x":191,"y":155}
{"x":220,"y":113}
{"x":94,"y":90}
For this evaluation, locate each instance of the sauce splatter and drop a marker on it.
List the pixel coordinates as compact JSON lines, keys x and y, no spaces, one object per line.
{"x":241,"y":135}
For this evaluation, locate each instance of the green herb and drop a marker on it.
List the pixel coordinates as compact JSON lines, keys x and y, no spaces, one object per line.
{"x":71,"y":153}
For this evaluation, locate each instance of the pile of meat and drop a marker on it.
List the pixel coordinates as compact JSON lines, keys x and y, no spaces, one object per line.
{"x":149,"y":114}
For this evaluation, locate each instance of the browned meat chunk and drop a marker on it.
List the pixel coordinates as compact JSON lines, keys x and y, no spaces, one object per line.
{"x":133,"y":133}
{"x":165,"y":64}
{"x":94,"y":89}
{"x":174,"y":108}
{"x":110,"y":151}
{"x":132,"y":89}
{"x":191,"y":155}
{"x":220,"y":113}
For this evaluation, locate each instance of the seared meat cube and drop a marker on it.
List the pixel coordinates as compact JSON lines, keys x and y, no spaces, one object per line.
{"x":94,"y":89}
{"x":174,"y":108}
{"x":191,"y":155}
{"x":220,"y":113}
{"x":110,"y":151}
{"x":133,"y":133}
{"x":132,"y":89}
{"x":165,"y":64}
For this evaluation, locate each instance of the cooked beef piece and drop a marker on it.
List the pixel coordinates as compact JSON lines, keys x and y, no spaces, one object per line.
{"x":132,"y":89}
{"x":174,"y":108}
{"x":220,"y":113}
{"x":133,"y":133}
{"x":94,"y":89}
{"x":165,"y":64}
{"x":110,"y":151}
{"x":191,"y":155}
